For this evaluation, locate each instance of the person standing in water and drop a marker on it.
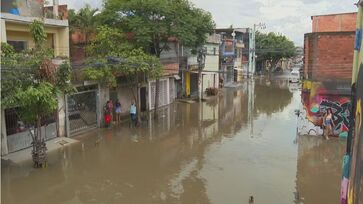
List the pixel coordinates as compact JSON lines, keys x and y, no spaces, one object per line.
{"x":118,"y":111}
{"x":133,"y":114}
{"x":328,"y":123}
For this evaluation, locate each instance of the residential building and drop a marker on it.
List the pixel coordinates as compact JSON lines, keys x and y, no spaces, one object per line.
{"x":328,"y":61}
{"x":234,"y":53}
{"x":328,"y":50}
{"x":210,"y":72}
{"x":170,"y":81}
{"x":16,"y":17}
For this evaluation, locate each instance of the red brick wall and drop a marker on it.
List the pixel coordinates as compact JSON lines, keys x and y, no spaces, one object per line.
{"x":62,"y":11}
{"x":334,"y":22}
{"x":306,"y":55}
{"x":328,"y":56}
{"x":171,"y":69}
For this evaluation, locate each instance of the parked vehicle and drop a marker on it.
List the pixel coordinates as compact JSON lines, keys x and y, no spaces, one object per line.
{"x":294,"y":76}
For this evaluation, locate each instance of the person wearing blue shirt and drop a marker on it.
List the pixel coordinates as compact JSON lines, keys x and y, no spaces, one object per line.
{"x":133,"y":113}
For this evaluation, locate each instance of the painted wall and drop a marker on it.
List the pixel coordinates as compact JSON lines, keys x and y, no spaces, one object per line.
{"x":211,"y":78}
{"x":355,"y":194}
{"x":58,"y":37}
{"x":317,"y":97}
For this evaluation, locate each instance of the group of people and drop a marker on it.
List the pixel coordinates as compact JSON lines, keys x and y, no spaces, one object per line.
{"x":109,"y":108}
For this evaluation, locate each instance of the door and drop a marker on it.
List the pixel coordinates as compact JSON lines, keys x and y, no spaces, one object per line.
{"x":187,"y":84}
{"x":143,"y":99}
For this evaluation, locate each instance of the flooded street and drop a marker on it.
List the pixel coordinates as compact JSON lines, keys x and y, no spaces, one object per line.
{"x":240,"y":144}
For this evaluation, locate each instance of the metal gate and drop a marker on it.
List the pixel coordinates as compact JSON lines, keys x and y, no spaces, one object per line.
{"x":163,"y":93}
{"x":17,"y":131}
{"x":81,"y":111}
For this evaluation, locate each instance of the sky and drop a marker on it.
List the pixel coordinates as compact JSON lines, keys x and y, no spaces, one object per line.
{"x":289,"y":17}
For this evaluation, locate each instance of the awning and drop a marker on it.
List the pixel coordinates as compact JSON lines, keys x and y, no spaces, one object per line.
{"x":177,"y":77}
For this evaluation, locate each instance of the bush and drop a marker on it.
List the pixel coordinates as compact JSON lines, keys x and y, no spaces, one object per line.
{"x":212,"y":91}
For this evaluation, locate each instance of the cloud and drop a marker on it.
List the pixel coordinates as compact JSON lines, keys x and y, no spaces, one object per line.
{"x":289,"y":17}
{"x":77,"y":4}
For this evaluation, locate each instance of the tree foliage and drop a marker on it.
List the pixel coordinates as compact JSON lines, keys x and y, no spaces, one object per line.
{"x":32,"y":71}
{"x":31,"y":82}
{"x":151,"y":23}
{"x":37,"y":31}
{"x":273,"y":47}
{"x":111,"y":55}
{"x":84,"y":20}
{"x":36,"y":101}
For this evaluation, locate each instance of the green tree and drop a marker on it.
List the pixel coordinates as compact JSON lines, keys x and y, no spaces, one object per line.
{"x":32,"y":83}
{"x":273,"y":47}
{"x":151,"y":23}
{"x":85,"y":21}
{"x":110,"y":60}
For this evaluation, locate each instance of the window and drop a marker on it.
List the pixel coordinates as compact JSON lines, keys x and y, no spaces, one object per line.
{"x":18,"y":45}
{"x":214,"y":51}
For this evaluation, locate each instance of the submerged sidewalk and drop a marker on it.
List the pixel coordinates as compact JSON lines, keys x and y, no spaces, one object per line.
{"x":25,"y":154}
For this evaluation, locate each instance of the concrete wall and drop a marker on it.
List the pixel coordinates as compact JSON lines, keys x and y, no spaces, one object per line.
{"x":103,"y":97}
{"x":169,"y":58}
{"x":334,"y":22}
{"x":58,"y":37}
{"x":211,"y":78}
{"x":328,"y":56}
{"x":125,"y":96}
{"x":3,"y":29}
{"x":23,"y":7}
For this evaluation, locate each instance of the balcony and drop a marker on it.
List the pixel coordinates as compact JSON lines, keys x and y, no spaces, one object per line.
{"x":25,"y":12}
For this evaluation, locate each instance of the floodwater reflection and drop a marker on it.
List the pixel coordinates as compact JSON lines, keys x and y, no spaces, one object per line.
{"x":219,"y":151}
{"x":319,"y":169}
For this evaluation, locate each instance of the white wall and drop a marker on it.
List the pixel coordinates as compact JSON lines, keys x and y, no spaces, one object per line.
{"x":212,"y":66}
{"x":125,"y":96}
{"x":103,"y":97}
{"x":61,"y":116}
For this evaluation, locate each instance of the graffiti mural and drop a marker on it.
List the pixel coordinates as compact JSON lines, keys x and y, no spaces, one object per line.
{"x":316,"y":100}
{"x":340,"y":113}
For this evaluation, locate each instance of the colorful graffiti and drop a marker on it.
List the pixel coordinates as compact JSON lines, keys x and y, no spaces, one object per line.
{"x":355,"y":173}
{"x":316,"y":99}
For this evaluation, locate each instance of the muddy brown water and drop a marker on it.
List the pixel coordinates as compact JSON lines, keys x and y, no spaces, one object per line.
{"x":240,"y":144}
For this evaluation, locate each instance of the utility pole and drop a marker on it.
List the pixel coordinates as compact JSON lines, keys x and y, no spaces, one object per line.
{"x":252,"y":49}
{"x":201,"y":63}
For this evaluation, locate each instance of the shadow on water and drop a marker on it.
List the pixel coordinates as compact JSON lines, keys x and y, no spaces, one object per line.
{"x":193,"y":153}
